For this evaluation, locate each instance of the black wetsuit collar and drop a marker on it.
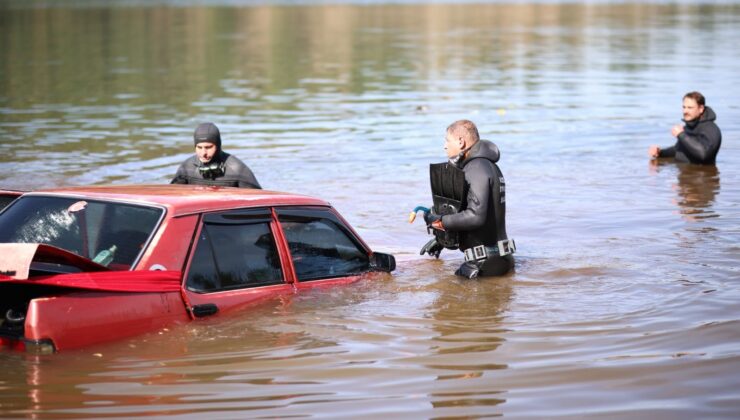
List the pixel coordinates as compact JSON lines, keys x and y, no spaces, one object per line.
{"x":707,"y":115}
{"x":482,"y":149}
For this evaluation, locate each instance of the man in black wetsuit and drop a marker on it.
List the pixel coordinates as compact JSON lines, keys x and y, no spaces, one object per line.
{"x":698,"y":141}
{"x":469,"y":211}
{"x":212,"y":166}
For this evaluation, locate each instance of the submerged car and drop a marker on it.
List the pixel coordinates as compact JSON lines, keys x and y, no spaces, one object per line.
{"x":85,"y":265}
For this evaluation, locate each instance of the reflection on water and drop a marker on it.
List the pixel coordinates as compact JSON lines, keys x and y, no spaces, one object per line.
{"x":624,"y":299}
{"x":469,"y":318}
{"x":697,"y":187}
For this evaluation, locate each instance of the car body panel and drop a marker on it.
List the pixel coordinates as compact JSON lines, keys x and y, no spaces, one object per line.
{"x":169,"y":248}
{"x":230,"y":300}
{"x":83,"y":318}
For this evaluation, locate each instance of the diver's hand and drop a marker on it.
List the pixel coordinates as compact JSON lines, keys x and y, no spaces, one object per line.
{"x":676,"y":130}
{"x":433,"y":248}
{"x":434,"y":221}
{"x":431,"y":217}
{"x":654,"y":151}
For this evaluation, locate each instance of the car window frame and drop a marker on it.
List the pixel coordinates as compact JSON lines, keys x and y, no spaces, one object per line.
{"x":238,"y":217}
{"x":304,"y":212}
{"x":13,"y":195}
{"x":310,"y":213}
{"x":164,"y":211}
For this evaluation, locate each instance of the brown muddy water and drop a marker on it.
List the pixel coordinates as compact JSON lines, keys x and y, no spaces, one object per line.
{"x":625,"y":302}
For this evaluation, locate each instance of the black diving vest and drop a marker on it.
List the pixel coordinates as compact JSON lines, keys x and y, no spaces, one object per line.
{"x":449,"y":194}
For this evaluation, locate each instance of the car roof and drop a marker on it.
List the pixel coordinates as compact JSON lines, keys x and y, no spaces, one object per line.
{"x":11,"y":192}
{"x":185,"y":199}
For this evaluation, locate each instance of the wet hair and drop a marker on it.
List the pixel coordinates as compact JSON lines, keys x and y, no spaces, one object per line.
{"x":465,"y":128}
{"x":696,"y":96}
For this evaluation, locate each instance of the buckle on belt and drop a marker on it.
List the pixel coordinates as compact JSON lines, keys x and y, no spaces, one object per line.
{"x":476,"y":253}
{"x":481,"y":252}
{"x":506,"y":247}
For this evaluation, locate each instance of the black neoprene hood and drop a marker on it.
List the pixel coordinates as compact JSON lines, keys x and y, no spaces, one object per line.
{"x":207,"y":133}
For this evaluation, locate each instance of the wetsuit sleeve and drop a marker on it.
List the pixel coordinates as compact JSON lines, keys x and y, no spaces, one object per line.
{"x":700,"y":145}
{"x":667,"y":152}
{"x":180,"y":177}
{"x":248,"y":180}
{"x":245,"y":177}
{"x":474,"y":216}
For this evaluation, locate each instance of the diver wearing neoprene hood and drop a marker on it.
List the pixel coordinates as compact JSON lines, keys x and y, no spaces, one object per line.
{"x":469,"y":213}
{"x":211,"y":165}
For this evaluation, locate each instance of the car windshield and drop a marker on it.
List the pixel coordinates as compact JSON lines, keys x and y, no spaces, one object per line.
{"x":109,"y":233}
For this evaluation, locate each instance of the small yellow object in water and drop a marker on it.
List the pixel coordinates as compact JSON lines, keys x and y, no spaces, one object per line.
{"x":501,"y":111}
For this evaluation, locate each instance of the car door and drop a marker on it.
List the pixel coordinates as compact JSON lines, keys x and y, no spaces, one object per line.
{"x":236,"y":259}
{"x":323,"y":248}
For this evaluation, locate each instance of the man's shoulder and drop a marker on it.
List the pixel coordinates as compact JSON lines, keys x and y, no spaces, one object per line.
{"x":479,"y":172}
{"x":234,"y":162}
{"x":478,"y":164}
{"x":707,"y":127}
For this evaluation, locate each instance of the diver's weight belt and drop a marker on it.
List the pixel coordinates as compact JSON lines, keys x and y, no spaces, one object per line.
{"x":481,"y":252}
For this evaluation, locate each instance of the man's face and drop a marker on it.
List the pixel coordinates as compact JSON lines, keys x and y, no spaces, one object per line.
{"x":205,"y":151}
{"x":691,"y":110}
{"x":453,"y":145}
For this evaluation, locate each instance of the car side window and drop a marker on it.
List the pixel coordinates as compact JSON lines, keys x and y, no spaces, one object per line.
{"x":321,"y":249}
{"x":234,"y":256}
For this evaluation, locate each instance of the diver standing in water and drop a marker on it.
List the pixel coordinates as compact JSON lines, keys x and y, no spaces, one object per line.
{"x":211,"y":165}
{"x":469,"y":214}
{"x":697,"y":141}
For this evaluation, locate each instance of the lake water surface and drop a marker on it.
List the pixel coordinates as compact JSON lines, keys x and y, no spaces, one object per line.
{"x":625,"y":300}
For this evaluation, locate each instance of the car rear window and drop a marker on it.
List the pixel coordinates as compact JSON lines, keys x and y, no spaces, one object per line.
{"x":113,"y":234}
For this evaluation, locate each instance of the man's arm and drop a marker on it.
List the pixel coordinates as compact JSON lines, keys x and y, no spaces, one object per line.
{"x":700,"y":145}
{"x":244,"y":175}
{"x":248,"y":180}
{"x":474,"y":216}
{"x":667,"y":152}
{"x":180,"y":177}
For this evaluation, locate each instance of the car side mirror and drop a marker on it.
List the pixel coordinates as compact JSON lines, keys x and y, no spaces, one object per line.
{"x":383,"y":262}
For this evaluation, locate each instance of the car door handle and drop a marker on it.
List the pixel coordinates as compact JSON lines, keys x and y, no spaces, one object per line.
{"x":204,"y":309}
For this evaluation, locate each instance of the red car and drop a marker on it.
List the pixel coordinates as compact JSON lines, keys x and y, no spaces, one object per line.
{"x":85,"y":265}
